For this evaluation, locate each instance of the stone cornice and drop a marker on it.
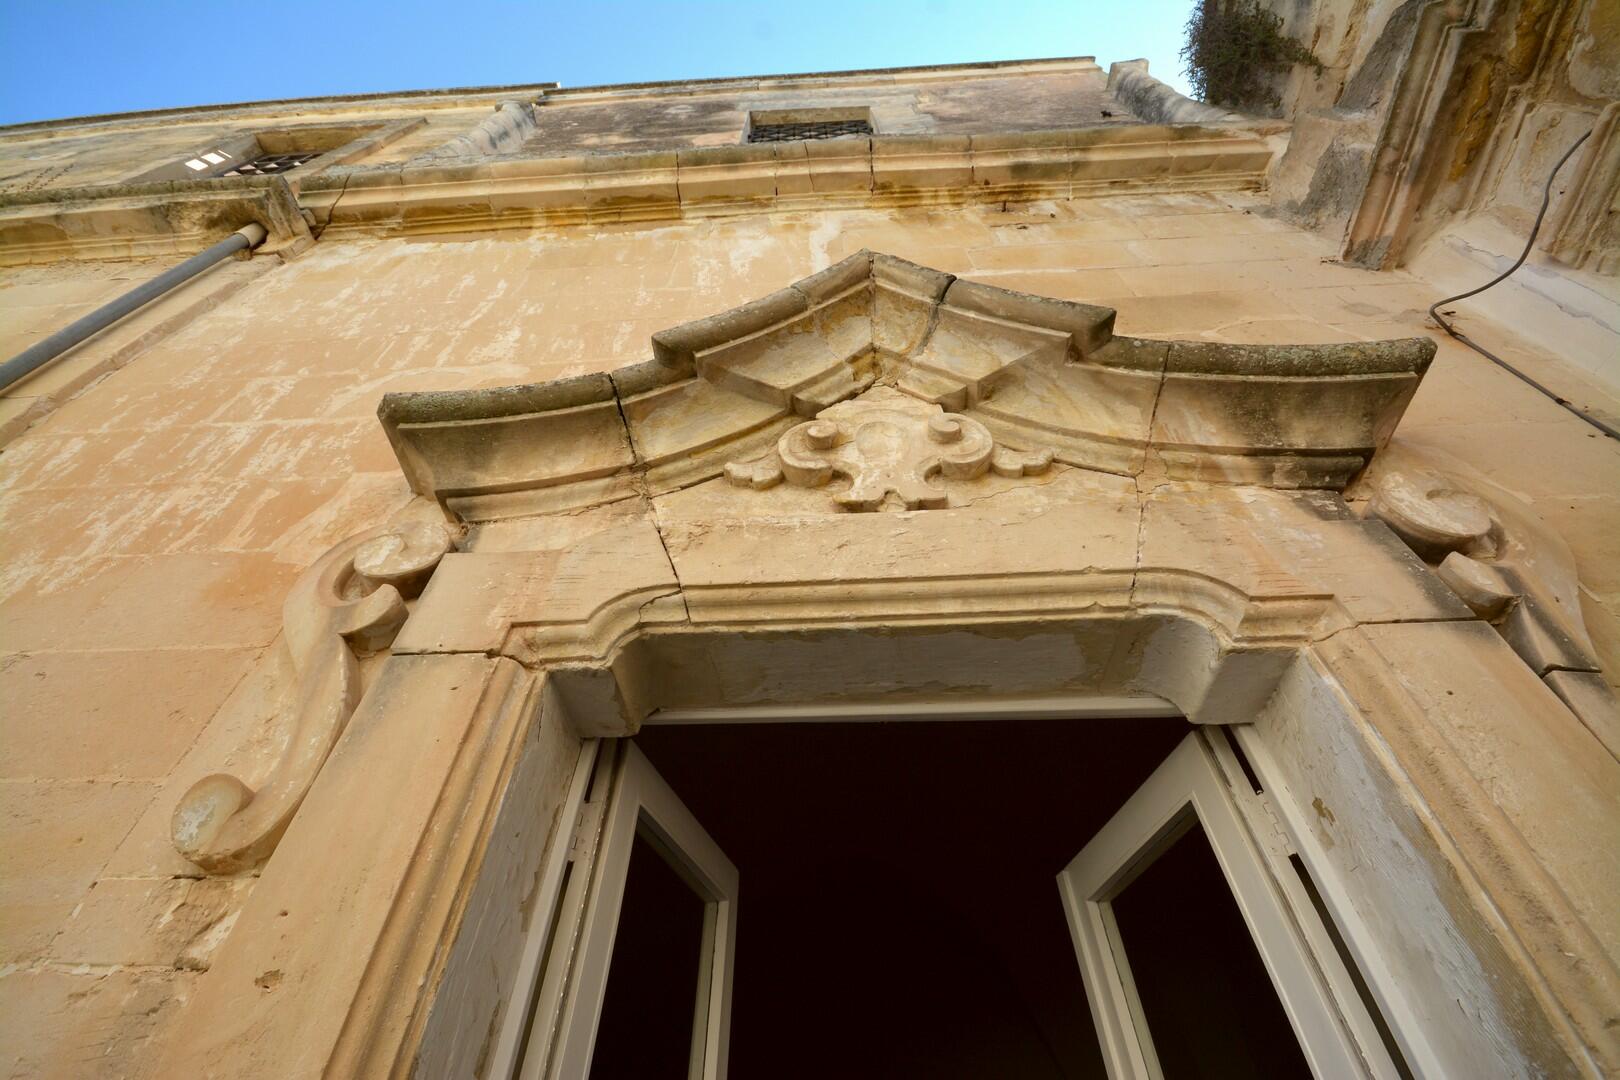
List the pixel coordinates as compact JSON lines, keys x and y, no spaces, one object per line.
{"x":387,"y":105}
{"x":473,"y":96}
{"x":1038,"y":374}
{"x":993,"y":69}
{"x":523,"y":192}
{"x":883,"y":171}
{"x":128,"y":221}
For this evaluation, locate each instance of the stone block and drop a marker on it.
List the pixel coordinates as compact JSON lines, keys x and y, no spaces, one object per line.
{"x":1181,"y":251}
{"x":1061,"y":255}
{"x":839,"y":165}
{"x":695,"y":416}
{"x":166,"y":922}
{"x":64,"y":1024}
{"x":920,"y":162}
{"x":793,"y":170}
{"x":617,"y":182}
{"x":1593,"y":700}
{"x":1518,"y":455}
{"x":151,"y":601}
{"x":1096,"y":411}
{"x":678,"y":346}
{"x":109,"y":715}
{"x":1023,"y":160}
{"x":55,"y":839}
{"x":1332,"y":406}
{"x":727,"y":173}
{"x":442,"y":452}
{"x":1232,"y":223}
{"x":1292,"y":544}
{"x":835,"y":556}
{"x":561,"y":595}
{"x":1542,"y":770}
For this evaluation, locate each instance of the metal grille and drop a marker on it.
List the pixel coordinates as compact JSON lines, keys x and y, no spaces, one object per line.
{"x":265,"y":164}
{"x":811,"y":129}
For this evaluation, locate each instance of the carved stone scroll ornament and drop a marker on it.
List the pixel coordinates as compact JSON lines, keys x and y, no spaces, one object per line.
{"x":890,"y":453}
{"x":1506,"y":575}
{"x":351,"y":603}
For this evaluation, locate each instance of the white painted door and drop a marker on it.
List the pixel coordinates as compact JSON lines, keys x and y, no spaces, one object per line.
{"x":1187,"y":800}
{"x":640,"y":810}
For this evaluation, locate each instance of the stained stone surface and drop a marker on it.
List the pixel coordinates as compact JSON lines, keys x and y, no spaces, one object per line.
{"x":164,"y":487}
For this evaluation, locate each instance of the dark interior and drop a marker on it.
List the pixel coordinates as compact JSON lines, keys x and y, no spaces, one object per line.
{"x":646,"y":1025}
{"x":898,"y":912}
{"x":1210,"y":969}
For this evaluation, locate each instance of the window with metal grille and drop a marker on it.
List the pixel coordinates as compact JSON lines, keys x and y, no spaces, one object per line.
{"x":809,"y":129}
{"x":265,"y":164}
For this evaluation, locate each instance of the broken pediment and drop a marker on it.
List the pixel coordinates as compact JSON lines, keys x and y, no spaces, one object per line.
{"x":1020,"y":374}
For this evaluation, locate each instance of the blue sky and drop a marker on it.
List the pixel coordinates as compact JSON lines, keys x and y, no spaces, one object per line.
{"x":74,"y":57}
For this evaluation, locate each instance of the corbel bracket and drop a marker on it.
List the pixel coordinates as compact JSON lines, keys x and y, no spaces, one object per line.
{"x":350,"y":604}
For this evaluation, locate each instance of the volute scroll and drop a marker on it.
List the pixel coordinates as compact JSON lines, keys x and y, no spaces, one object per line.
{"x":349,"y":604}
{"x":1511,"y":572}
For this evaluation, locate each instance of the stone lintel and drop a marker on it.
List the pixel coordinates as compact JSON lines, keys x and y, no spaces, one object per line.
{"x":549,"y":606}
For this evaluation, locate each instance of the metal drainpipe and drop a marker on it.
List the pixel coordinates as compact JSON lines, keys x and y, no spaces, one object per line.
{"x":38,"y":355}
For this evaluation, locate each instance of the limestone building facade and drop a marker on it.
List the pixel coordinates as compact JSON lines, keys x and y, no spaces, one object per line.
{"x":1001,"y":551}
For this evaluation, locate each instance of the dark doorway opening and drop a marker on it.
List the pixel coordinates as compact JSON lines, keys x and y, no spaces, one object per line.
{"x":1208,"y":969}
{"x":898,"y":912}
{"x":658,"y":952}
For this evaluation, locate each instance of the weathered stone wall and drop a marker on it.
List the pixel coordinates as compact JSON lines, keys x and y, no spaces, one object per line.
{"x":1046,"y":95}
{"x":1430,"y":135}
{"x":40,"y":158}
{"x":1533,"y":77}
{"x":163,"y":485}
{"x":1338,"y":112}
{"x":1059,"y":95}
{"x":154,"y":522}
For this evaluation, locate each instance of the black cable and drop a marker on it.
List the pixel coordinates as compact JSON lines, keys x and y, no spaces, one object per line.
{"x":1434,"y":313}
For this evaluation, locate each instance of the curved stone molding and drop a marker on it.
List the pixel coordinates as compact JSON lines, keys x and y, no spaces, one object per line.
{"x":350,"y":603}
{"x":1434,"y":516}
{"x":1034,"y":372}
{"x":890,"y":450}
{"x":1494,"y":571}
{"x":502,"y":132}
{"x":1490,"y":556}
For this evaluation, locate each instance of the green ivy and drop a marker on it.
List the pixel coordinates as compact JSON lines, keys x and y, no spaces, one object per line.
{"x":1234,"y":48}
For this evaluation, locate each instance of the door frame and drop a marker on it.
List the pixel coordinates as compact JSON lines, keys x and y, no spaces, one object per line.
{"x":1190,"y":788}
{"x":628,"y":798}
{"x":1254,"y":814}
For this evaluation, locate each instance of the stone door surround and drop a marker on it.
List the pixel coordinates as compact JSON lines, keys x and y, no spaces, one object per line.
{"x":883,"y":484}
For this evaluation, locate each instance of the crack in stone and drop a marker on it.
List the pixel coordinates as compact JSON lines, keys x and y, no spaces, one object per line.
{"x":331,"y":211}
{"x":638,"y":480}
{"x":891,"y":368}
{"x":1136,"y":478}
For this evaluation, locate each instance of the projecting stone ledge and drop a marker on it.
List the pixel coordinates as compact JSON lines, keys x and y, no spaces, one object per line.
{"x":1035,"y":374}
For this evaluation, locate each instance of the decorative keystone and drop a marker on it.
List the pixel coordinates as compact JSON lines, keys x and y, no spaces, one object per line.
{"x":890,"y":450}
